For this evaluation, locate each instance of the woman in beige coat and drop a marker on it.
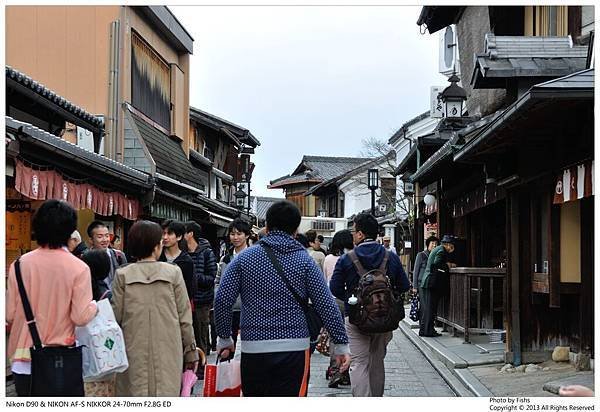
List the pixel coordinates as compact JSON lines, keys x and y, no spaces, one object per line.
{"x":151,"y":304}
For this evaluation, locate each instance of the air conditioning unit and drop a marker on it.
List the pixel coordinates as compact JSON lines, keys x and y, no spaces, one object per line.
{"x":448,"y":57}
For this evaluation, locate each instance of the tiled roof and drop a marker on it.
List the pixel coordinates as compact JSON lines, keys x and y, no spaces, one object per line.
{"x":38,"y":88}
{"x":317,"y":169}
{"x":86,"y":157}
{"x":362,"y":167}
{"x":327,"y":168}
{"x":263,"y":204}
{"x":218,"y":123}
{"x":580,"y":80}
{"x":168,"y":154}
{"x":292,"y":179}
{"x":526,"y":56}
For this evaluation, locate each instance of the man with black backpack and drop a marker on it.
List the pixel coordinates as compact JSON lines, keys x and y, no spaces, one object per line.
{"x":205,"y":271}
{"x":370,"y":280}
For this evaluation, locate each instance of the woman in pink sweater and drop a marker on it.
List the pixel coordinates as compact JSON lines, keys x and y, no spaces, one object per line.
{"x":340,"y":244}
{"x":58,"y":287}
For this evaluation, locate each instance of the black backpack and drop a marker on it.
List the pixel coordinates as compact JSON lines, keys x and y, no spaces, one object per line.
{"x":379,"y":308}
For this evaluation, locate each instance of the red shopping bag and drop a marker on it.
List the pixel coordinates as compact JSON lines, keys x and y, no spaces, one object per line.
{"x":223,"y":379}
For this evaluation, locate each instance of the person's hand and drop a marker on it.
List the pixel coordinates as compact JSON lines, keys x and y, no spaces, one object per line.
{"x":192,"y":365}
{"x":226,"y":352}
{"x":343,"y":362}
{"x":452,"y":265}
{"x":414,"y":291}
{"x":575,"y":390}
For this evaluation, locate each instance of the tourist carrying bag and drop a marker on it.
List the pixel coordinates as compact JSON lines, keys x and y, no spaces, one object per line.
{"x":103,"y":344}
{"x":379,"y":308}
{"x":313,"y":320}
{"x":55,"y":370}
{"x":223,"y":379}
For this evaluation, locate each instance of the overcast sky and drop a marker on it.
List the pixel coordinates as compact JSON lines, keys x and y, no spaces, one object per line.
{"x":309,"y":80}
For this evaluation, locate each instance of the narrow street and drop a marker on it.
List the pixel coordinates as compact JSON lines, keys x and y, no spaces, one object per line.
{"x":407,"y":373}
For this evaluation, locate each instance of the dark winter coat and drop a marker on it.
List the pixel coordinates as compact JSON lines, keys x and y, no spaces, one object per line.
{"x":205,"y":271}
{"x":437,"y":271}
{"x":80,"y":249}
{"x":420,"y":266}
{"x":370,"y":254}
{"x":186,"y":264}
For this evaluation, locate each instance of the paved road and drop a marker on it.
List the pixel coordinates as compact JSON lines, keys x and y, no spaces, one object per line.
{"x":408,"y":373}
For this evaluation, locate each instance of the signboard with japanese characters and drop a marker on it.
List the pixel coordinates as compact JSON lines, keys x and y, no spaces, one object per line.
{"x":437,"y":108}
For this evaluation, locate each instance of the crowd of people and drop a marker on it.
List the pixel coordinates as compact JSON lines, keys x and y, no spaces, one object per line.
{"x":261,"y":292}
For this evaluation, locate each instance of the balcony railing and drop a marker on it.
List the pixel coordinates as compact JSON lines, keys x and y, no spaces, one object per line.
{"x":476,"y":300}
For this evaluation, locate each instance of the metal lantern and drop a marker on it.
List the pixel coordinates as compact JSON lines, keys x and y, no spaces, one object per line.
{"x":240,"y":195}
{"x":373,"y":179}
{"x":453,"y":98}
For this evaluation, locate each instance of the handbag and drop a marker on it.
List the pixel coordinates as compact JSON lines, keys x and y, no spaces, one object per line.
{"x":414,"y":308}
{"x":55,"y":370}
{"x":103,"y":344}
{"x":313,"y":320}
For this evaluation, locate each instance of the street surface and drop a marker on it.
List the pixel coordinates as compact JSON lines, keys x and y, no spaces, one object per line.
{"x":407,"y":373}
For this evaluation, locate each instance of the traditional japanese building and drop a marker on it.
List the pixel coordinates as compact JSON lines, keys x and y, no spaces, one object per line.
{"x":516,"y":183}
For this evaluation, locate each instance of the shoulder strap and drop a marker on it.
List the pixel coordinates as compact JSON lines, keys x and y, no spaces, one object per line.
{"x":383,"y":265}
{"x":37,"y":342}
{"x":279,"y":269}
{"x":359,"y":267}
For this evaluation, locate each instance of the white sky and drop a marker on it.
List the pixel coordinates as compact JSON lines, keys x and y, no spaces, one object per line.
{"x":309,"y":80}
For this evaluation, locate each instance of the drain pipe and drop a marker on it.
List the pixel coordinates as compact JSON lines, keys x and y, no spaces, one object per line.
{"x":111,"y":147}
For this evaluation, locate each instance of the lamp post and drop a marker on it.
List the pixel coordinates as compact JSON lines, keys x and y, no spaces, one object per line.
{"x":373,"y":183}
{"x":453,"y":98}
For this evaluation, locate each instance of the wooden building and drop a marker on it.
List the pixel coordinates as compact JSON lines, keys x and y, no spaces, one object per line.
{"x":516,"y":182}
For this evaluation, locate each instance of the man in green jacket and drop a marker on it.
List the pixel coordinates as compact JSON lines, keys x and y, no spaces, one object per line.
{"x":434,"y":284}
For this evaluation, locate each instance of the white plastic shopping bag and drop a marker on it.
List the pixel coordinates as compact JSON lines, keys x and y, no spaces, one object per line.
{"x":103,"y":344}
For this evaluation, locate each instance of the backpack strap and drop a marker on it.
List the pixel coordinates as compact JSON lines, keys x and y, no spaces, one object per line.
{"x":383,"y":266}
{"x":356,"y":262}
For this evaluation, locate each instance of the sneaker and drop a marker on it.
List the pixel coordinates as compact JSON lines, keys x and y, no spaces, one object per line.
{"x":345,"y":379}
{"x":335,"y":381}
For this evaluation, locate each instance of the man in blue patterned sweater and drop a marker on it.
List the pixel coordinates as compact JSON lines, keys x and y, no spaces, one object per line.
{"x":275,"y":350}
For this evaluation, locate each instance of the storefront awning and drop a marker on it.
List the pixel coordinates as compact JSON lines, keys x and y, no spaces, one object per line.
{"x":50,"y":184}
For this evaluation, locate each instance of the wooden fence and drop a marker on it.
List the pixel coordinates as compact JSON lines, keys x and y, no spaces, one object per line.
{"x":475,"y":303}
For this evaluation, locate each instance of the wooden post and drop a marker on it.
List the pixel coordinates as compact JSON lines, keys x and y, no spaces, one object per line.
{"x":514,"y":276}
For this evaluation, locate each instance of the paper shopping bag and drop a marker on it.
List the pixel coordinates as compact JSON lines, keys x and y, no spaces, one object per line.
{"x":223,"y":379}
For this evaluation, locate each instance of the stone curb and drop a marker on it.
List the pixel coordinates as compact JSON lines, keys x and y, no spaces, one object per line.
{"x":471,"y":382}
{"x":454,"y":382}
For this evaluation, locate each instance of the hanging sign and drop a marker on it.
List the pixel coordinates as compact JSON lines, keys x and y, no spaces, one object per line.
{"x":574,"y":183}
